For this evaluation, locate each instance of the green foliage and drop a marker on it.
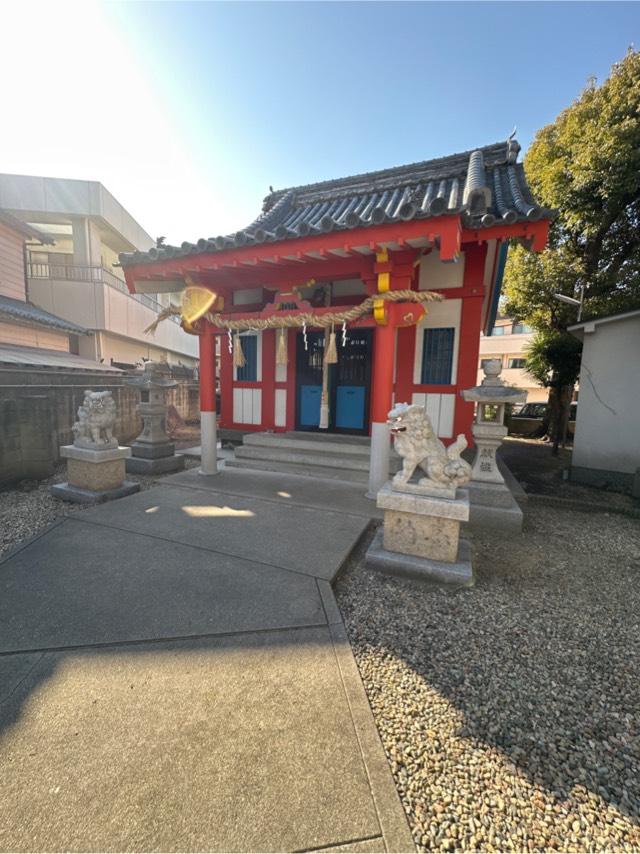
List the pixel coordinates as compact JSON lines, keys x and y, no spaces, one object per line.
{"x":587,"y":166}
{"x":553,"y":358}
{"x":532,"y":280}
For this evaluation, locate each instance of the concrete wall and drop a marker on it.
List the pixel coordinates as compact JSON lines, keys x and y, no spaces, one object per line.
{"x":606,"y":447}
{"x":26,"y":195}
{"x":96,"y":305}
{"x":38,"y":409}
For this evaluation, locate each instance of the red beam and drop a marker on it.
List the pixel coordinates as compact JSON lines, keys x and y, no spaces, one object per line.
{"x":538,"y":232}
{"x":447,"y":227}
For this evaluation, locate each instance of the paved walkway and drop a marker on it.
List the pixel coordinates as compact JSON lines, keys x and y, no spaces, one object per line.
{"x":175,"y":676}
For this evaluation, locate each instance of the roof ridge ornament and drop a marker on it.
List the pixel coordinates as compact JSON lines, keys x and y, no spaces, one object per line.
{"x":513,"y":146}
{"x":477,"y":195}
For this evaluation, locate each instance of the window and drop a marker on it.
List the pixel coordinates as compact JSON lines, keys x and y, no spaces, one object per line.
{"x":520,"y":328}
{"x":498,"y":330}
{"x":437,"y":356}
{"x":517,"y":363}
{"x":249,"y":374}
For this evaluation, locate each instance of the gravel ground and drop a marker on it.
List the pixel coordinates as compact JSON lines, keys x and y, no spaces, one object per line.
{"x":28,"y":507}
{"x":510,"y":712}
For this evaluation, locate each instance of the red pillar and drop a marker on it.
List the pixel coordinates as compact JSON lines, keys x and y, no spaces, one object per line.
{"x":404,"y":364}
{"x":226,"y":383}
{"x":470,"y":325}
{"x":268,"y":379}
{"x":292,"y":343}
{"x":208,"y":425}
{"x":382,"y":380}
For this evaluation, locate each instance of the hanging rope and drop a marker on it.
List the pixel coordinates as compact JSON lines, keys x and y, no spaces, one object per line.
{"x":307,"y":318}
{"x":239,"y":360}
{"x":331,"y":352}
{"x":281,"y":356}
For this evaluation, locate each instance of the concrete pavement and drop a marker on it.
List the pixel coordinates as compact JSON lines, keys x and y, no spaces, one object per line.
{"x":175,"y":676}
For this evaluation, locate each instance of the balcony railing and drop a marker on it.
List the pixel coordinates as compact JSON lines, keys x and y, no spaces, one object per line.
{"x":91,"y":273}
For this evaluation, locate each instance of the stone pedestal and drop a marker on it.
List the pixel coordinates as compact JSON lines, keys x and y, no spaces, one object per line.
{"x":421,"y":536}
{"x":492,"y":502}
{"x":94,"y":476}
{"x":153,"y":452}
{"x":154,"y":459}
{"x":488,"y":438}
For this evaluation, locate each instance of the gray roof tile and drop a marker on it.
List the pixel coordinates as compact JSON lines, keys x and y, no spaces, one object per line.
{"x":26,"y":312}
{"x":484,"y":186}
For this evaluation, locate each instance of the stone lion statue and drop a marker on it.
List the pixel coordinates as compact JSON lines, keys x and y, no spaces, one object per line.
{"x":419,"y":447}
{"x":96,"y":419}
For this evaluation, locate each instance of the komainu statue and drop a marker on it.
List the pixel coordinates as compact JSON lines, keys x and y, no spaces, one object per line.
{"x":96,"y":420}
{"x":419,"y":447}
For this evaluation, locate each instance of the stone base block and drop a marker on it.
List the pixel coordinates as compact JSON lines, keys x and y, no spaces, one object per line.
{"x":494,"y":505}
{"x":423,"y":536}
{"x":459,"y":573}
{"x":69,"y":492}
{"x":161,"y":465}
{"x":508,"y":519}
{"x":490,"y":494}
{"x":96,"y":476}
{"x":422,"y":487}
{"x":148,"y":451}
{"x":421,"y":525}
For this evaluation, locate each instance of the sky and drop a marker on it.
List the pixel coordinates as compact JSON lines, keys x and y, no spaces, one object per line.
{"x":188,"y":112}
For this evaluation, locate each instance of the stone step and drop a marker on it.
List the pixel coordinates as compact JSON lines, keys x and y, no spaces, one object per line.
{"x":302,"y":456}
{"x":320,"y":472}
{"x":310,"y":442}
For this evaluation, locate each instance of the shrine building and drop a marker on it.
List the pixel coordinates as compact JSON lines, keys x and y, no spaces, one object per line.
{"x":348,"y":295}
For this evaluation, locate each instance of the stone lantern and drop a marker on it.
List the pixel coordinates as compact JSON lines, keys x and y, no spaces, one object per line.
{"x":153,"y":452}
{"x":488,"y":488}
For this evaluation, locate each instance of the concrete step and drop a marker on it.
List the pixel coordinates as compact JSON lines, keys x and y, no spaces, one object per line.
{"x":310,"y":442}
{"x":302,"y":456}
{"x":320,"y":472}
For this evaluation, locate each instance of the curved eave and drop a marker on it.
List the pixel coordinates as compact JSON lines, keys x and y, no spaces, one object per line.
{"x":448,"y":231}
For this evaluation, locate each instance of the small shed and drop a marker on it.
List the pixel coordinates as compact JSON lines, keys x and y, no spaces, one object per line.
{"x":606,"y":449}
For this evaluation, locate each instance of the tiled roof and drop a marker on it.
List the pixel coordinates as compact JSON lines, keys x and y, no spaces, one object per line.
{"x":483,"y":186}
{"x":36,"y":357}
{"x":26,"y":312}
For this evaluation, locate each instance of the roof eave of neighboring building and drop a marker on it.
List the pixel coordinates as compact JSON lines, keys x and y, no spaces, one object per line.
{"x":34,"y":195}
{"x":24,"y":229}
{"x":35,"y":358}
{"x":590,"y":325}
{"x":27,"y":314}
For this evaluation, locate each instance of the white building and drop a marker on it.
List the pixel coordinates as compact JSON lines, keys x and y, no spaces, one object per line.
{"x":606,"y":448}
{"x":78,"y":278}
{"x":508,"y":342}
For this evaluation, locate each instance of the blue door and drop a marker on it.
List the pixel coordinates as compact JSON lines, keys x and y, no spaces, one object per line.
{"x":350,"y":407}
{"x":310,"y":396}
{"x":349,"y":381}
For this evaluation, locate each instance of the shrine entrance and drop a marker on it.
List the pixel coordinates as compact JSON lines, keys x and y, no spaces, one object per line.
{"x":349,"y":382}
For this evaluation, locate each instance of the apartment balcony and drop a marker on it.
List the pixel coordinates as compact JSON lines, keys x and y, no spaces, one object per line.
{"x":97,"y":299}
{"x":81,"y":273}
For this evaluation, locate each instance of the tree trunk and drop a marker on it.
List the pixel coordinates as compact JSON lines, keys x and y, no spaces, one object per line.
{"x":560,"y":415}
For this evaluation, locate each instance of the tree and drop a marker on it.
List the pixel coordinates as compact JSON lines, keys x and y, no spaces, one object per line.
{"x":586,"y":165}
{"x":553,"y":359}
